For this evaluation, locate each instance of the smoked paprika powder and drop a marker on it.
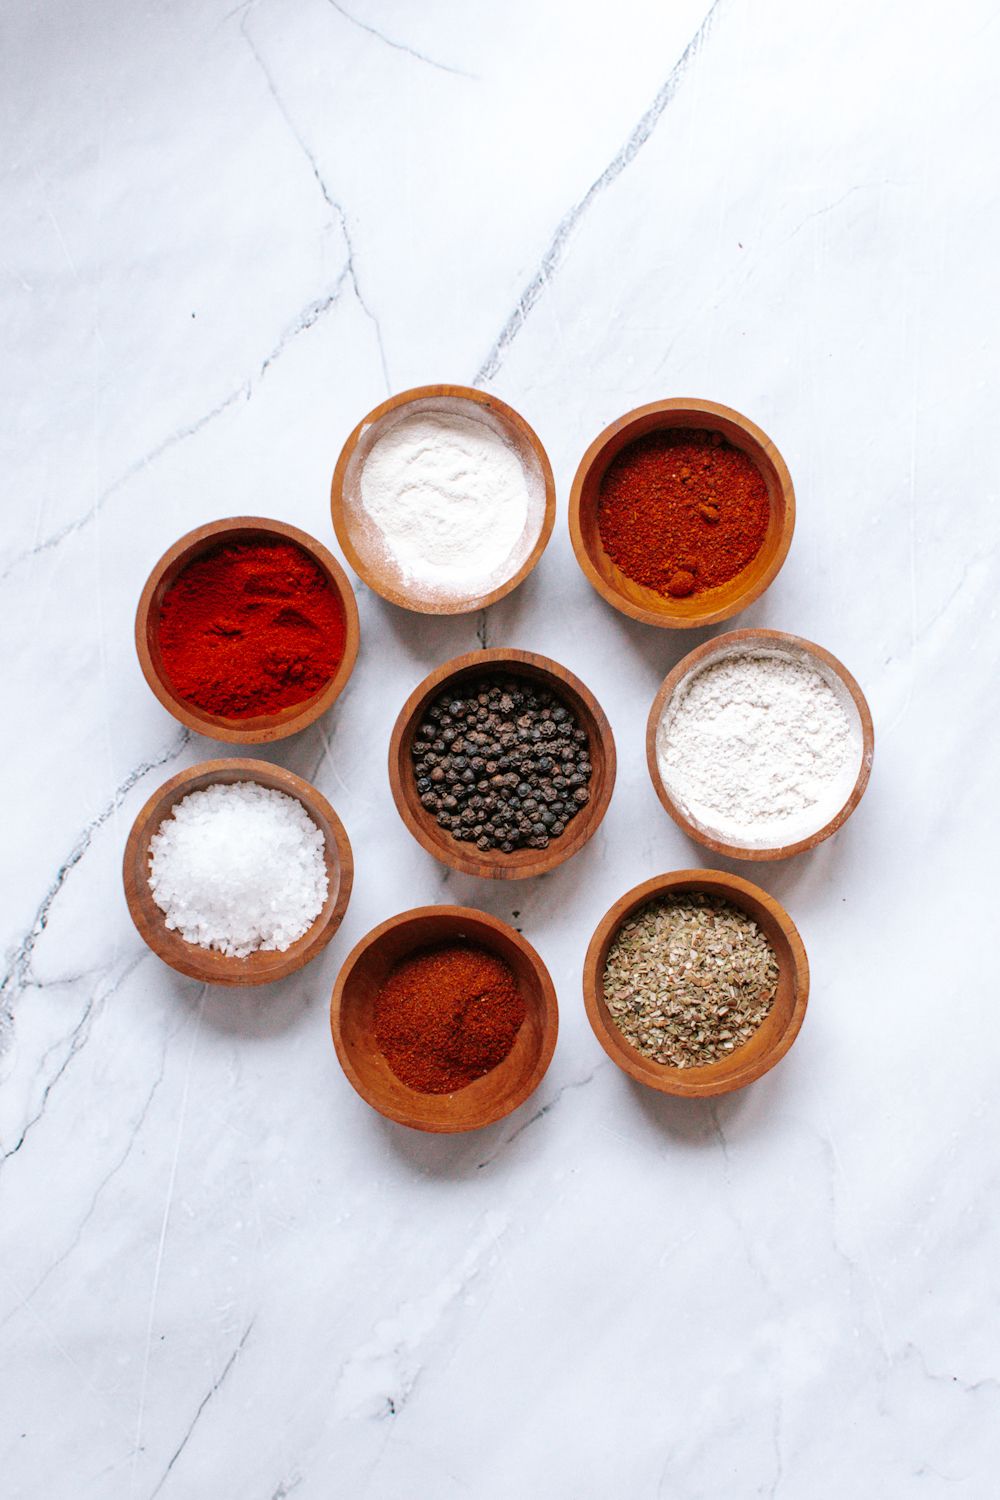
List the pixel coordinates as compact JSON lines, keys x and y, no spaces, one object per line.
{"x":446,"y":1016}
{"x":250,"y":628}
{"x":682,"y":511}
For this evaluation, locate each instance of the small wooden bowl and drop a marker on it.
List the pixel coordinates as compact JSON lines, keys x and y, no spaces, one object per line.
{"x":769,"y":1043}
{"x":493,"y":864}
{"x":646,"y":604}
{"x":489,"y":1098}
{"x":833,"y":671}
{"x":359,"y":538}
{"x":264,"y":727}
{"x":206,"y":964}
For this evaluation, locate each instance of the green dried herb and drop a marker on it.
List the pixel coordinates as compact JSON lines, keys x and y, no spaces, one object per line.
{"x":689,"y":978}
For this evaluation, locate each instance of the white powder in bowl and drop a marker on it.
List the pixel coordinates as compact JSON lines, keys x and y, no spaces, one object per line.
{"x":760,"y":748}
{"x":451,"y":502}
{"x":238,"y":867}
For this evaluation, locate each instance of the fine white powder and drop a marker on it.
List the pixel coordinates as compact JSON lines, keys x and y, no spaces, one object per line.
{"x":450,"y":499}
{"x":760,"y":748}
{"x":239,"y":868}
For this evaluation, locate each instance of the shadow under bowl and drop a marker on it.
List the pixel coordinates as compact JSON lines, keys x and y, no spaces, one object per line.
{"x":352,"y":1020}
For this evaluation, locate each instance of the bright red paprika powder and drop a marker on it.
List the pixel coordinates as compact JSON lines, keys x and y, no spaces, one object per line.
{"x":682,"y":511}
{"x":447,"y":1015}
{"x":250,"y":628}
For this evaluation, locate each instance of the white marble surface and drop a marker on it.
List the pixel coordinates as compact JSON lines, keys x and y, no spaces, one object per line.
{"x":228,"y":231}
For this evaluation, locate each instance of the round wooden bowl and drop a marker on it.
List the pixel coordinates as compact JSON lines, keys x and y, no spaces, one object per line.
{"x":352,"y":1007}
{"x":834,"y":672}
{"x":769,"y":1043}
{"x":646,"y":604}
{"x":206,"y":964}
{"x":493,"y":864}
{"x":360,"y":539}
{"x":263,"y":727}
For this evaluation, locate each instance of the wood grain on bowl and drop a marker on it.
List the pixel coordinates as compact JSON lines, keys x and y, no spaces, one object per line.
{"x":262,"y":728}
{"x":489,"y":1098}
{"x":205,"y":964}
{"x":769,"y":1043}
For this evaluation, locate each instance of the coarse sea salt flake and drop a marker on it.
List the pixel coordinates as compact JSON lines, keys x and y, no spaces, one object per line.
{"x":240,"y":868}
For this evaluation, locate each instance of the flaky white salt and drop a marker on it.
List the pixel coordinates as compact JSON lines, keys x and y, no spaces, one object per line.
{"x":238,"y":868}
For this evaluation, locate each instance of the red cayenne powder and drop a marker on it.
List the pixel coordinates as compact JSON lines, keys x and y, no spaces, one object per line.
{"x":447,"y":1015}
{"x":250,"y":628}
{"x":682,"y":511}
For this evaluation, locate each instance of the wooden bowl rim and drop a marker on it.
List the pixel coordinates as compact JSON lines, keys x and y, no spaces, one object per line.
{"x":682,"y":1082}
{"x":290,"y":721}
{"x":468,"y":915}
{"x":749,"y":638}
{"x":710,"y":615}
{"x":373,"y":579}
{"x":491,"y":865}
{"x":148,"y":918}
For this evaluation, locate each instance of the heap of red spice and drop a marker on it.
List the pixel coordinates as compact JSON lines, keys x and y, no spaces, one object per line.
{"x":249,"y":628}
{"x":682,"y":511}
{"x":447,"y":1015}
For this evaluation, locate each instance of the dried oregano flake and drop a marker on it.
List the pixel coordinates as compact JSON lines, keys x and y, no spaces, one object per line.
{"x":688,"y":979}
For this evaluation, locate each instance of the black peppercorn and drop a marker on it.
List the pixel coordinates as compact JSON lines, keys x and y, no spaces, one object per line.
{"x":505,"y":766}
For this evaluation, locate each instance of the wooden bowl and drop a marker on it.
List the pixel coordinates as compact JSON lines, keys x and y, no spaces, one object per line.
{"x":646,"y":604}
{"x":769,"y":1043}
{"x":489,"y":1098}
{"x":834,"y":672}
{"x":206,"y":964}
{"x":263,"y":727}
{"x":361,"y":540}
{"x":493,"y":864}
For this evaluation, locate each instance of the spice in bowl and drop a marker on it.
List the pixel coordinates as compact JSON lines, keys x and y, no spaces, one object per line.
{"x":682,"y":511}
{"x":501,"y":763}
{"x":760,"y":749}
{"x":446,"y":1016}
{"x":689,"y":979}
{"x":452,"y":507}
{"x":240,"y":868}
{"x":250,"y":628}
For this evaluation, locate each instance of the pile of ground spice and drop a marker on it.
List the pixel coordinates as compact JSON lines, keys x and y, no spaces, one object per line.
{"x":250,"y":628}
{"x":447,"y":1015}
{"x":682,"y":511}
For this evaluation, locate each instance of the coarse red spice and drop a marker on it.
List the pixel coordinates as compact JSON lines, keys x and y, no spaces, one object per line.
{"x":682,"y":511}
{"x":250,"y":628}
{"x":447,"y":1015}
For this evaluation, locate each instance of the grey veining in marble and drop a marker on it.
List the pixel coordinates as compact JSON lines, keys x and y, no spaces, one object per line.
{"x":226,"y":233}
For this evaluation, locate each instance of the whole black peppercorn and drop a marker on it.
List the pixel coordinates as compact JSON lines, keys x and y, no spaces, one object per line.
{"x":504,"y":763}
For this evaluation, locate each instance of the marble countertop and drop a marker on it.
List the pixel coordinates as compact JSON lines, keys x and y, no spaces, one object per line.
{"x":228,"y":231}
